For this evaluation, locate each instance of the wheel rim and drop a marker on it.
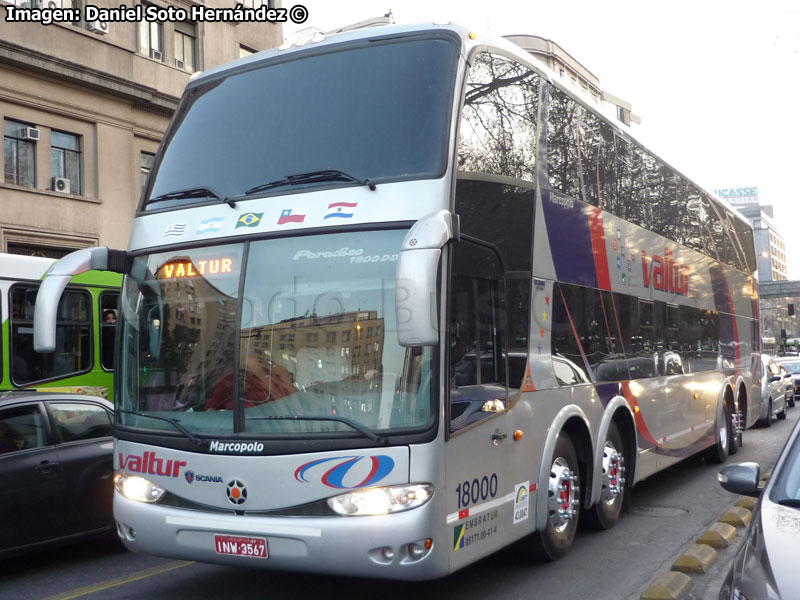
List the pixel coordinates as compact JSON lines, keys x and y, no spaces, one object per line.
{"x":613,"y":472}
{"x":563,"y":493}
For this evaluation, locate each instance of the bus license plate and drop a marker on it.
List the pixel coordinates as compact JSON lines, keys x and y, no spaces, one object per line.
{"x":241,"y":546}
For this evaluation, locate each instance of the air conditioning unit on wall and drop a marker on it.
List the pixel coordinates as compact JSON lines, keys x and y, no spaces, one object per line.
{"x":98,"y":27}
{"x":29,"y":133}
{"x":61,"y":184}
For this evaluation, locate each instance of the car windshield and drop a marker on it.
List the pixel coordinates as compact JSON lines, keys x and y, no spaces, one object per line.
{"x":786,"y":487}
{"x":793,"y":367}
{"x":379,"y":110}
{"x":281,"y":336}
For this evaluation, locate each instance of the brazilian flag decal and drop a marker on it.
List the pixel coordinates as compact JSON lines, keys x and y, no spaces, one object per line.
{"x":249,"y":220}
{"x":458,"y":537}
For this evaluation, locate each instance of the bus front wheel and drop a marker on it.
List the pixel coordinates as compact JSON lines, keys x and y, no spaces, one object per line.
{"x":563,"y":502}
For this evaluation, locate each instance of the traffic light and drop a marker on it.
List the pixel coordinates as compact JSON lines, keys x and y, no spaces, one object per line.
{"x":790,"y":309}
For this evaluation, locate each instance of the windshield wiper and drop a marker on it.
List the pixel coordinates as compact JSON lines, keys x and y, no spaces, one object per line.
{"x":174,"y":422}
{"x":310,"y":177}
{"x":360,"y":428}
{"x":198,"y":192}
{"x":794,"y":502}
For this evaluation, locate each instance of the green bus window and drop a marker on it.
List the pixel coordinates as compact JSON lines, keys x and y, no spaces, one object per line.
{"x":73,"y":352}
{"x":108,"y":328}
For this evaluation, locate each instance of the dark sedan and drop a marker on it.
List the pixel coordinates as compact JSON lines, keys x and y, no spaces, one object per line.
{"x":765,"y":566}
{"x":56,"y":469}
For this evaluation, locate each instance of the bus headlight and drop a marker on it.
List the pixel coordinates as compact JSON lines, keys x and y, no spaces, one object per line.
{"x":137,"y":488}
{"x":381,"y":500}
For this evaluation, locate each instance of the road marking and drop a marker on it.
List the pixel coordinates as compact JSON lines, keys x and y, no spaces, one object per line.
{"x":97,"y":587}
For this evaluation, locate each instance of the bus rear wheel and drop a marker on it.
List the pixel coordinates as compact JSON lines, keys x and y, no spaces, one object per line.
{"x":606,"y":512}
{"x":563,"y":502}
{"x":725,"y":439}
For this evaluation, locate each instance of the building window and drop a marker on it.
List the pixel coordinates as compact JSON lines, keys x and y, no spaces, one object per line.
{"x":19,"y":153}
{"x":146,"y":161}
{"x":184,"y":45}
{"x":65,"y":162}
{"x":37,"y":249}
{"x":151,"y":38}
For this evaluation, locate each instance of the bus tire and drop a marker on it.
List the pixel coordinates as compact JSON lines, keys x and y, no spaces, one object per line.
{"x":718,"y":453}
{"x":563,"y":502}
{"x":605,"y":513}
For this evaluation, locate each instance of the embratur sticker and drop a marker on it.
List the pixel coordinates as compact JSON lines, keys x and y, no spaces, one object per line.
{"x":521,"y":501}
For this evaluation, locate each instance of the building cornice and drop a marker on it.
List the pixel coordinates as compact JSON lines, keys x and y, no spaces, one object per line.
{"x":144,"y":97}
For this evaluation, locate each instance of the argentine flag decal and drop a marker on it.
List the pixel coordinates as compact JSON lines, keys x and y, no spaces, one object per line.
{"x":210,"y":225}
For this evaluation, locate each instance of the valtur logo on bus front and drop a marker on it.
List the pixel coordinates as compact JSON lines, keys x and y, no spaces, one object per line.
{"x":380,"y":466}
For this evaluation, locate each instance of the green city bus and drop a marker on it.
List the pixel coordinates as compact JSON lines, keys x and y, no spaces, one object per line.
{"x":84,"y":358}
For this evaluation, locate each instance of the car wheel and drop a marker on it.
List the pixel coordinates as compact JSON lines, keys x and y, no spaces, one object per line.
{"x":769,"y":414}
{"x":563,"y":503}
{"x":782,"y":415}
{"x":605,"y":513}
{"x":718,"y":453}
{"x":790,"y":401}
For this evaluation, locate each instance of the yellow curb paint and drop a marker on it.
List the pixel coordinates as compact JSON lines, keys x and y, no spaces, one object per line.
{"x":747,"y":502}
{"x":719,"y":535}
{"x":669,"y":586}
{"x":104,"y":585}
{"x":697,"y":559}
{"x":737,"y":516}
{"x":764,"y":478}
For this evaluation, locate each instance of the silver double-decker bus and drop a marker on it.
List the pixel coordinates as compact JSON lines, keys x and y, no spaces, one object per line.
{"x":397,"y":298}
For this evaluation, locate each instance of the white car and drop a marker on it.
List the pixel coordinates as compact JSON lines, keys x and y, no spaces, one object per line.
{"x":773,"y":391}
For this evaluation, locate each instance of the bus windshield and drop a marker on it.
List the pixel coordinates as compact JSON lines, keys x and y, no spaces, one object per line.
{"x":316,"y":339}
{"x":376,"y":112}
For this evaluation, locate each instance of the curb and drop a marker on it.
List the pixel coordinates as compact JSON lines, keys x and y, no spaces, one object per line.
{"x":719,"y":535}
{"x":668,"y":586}
{"x":699,"y":557}
{"x":738,"y":516}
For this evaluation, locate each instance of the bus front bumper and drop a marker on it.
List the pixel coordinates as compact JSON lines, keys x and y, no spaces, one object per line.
{"x":377,"y":546}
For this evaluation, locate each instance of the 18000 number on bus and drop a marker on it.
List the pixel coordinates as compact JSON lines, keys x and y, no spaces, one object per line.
{"x":477,"y":490}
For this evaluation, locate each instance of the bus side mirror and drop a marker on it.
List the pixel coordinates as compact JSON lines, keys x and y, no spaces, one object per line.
{"x":57,"y":278}
{"x":417,"y":274}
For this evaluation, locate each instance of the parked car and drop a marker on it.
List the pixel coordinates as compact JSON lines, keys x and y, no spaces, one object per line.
{"x":765,"y":566}
{"x":56,"y":469}
{"x":792,"y":365}
{"x":773,"y":392}
{"x":788,"y":385}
